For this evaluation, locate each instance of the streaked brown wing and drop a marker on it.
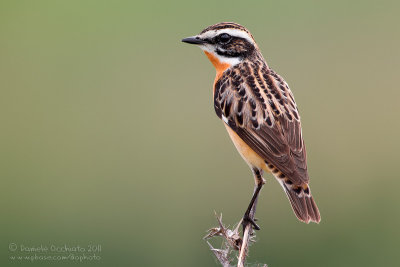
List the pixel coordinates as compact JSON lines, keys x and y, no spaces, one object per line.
{"x":259,"y":106}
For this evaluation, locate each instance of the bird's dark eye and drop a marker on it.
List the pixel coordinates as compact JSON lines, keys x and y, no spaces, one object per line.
{"x":224,"y":38}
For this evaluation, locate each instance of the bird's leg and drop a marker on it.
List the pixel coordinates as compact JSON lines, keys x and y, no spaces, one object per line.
{"x":251,"y":209}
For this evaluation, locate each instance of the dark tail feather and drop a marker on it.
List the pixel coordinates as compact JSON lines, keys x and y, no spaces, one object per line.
{"x":303,"y":204}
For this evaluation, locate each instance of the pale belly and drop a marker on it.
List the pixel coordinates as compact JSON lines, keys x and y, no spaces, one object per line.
{"x":248,"y":154}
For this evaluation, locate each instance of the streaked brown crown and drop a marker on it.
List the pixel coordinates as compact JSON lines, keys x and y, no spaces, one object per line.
{"x":226,"y":25}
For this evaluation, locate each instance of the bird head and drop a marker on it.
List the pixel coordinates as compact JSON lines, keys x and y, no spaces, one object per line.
{"x":225,"y":44}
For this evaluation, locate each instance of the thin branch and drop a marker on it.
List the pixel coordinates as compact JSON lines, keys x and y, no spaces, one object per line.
{"x":233,"y":246}
{"x":244,"y":246}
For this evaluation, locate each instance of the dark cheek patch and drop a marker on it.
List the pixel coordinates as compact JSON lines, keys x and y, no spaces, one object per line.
{"x":237,"y":47}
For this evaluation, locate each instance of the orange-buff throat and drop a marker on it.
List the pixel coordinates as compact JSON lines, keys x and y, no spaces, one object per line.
{"x":220,"y":67}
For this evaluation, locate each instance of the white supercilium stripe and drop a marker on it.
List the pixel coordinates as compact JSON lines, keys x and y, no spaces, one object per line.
{"x":231,"y":32}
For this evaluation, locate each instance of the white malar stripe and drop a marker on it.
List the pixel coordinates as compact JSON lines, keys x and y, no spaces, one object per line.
{"x":231,"y":32}
{"x":232,"y":61}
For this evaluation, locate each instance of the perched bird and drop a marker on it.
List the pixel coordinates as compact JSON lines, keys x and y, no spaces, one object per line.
{"x":260,"y":115}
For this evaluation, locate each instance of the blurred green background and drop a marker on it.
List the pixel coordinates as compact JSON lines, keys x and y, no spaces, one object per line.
{"x":108,"y":133}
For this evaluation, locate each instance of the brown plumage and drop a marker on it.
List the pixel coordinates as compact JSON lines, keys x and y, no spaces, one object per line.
{"x":259,"y":111}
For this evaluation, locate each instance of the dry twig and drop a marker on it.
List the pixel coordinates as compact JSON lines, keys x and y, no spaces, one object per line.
{"x":232,"y":241}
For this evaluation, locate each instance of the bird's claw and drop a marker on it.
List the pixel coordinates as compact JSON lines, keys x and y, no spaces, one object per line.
{"x":247,"y":220}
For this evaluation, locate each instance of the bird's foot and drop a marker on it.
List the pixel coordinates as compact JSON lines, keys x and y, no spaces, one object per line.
{"x":248,"y":220}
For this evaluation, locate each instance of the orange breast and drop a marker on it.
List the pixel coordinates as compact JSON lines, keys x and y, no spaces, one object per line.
{"x":220,"y":67}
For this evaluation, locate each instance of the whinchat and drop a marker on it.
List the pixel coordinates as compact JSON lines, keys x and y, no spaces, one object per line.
{"x":260,"y":114}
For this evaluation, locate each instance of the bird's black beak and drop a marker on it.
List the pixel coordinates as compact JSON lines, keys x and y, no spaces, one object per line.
{"x":193,"y":40}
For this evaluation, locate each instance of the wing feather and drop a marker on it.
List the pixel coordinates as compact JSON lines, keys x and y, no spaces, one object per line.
{"x":259,"y":106}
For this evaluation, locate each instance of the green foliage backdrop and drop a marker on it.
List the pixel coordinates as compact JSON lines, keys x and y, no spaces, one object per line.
{"x":108,"y":134}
